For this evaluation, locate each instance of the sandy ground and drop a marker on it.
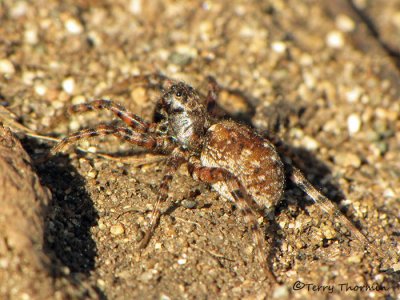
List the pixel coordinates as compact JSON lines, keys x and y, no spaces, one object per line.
{"x":323,"y":75}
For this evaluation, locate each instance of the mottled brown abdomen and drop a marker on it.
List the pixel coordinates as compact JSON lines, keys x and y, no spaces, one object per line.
{"x":252,"y":159}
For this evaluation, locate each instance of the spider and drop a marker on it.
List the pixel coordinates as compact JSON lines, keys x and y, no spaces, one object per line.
{"x":241,"y":165}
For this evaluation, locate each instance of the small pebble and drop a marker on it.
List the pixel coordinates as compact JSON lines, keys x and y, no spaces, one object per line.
{"x":78,"y":100}
{"x":354,"y":94}
{"x":4,"y":263}
{"x":356,"y":259}
{"x":345,"y":23}
{"x":74,"y":125}
{"x":189,"y":203}
{"x":310,"y":143}
{"x":19,"y":9}
{"x":117,"y":229}
{"x":73,"y":26}
{"x":101,"y":282}
{"x":135,"y":7}
{"x":146,"y":276}
{"x":335,"y":39}
{"x":280,"y":292}
{"x":102,"y":226}
{"x":31,"y":36}
{"x":68,"y":85}
{"x":328,"y":232}
{"x":396,"y":19}
{"x":92,"y":174}
{"x":396,"y":267}
{"x":40,"y":89}
{"x":279,"y":47}
{"x":182,"y":261}
{"x":389,"y":193}
{"x":346,"y":159}
{"x":353,"y":123}
{"x":249,"y":250}
{"x":6,"y":67}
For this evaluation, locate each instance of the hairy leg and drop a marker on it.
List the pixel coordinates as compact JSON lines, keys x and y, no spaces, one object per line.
{"x":162,"y":144}
{"x":127,"y":117}
{"x":213,"y":175}
{"x":330,"y":208}
{"x":174,"y":161}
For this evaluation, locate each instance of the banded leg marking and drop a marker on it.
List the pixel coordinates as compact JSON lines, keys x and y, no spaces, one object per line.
{"x":213,"y":175}
{"x":127,"y":117}
{"x":173,"y":164}
{"x":330,"y":208}
{"x":157,"y":143}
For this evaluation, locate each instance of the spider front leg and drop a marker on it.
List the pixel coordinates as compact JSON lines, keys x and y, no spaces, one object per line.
{"x":213,"y":175}
{"x":177,"y":157}
{"x":127,"y":117}
{"x":161,"y":144}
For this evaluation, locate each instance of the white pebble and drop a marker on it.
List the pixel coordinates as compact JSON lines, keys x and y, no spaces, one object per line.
{"x":353,"y":123}
{"x":389,"y":193}
{"x":347,"y":159}
{"x":279,"y":47}
{"x":101,"y":282}
{"x":182,"y":261}
{"x":335,"y":39}
{"x":280,"y":292}
{"x":396,"y":19}
{"x":28,"y":77}
{"x":58,"y":104}
{"x":92,"y":149}
{"x":19,"y":9}
{"x":306,"y":60}
{"x":354,"y":94}
{"x":78,"y":100}
{"x":73,"y":26}
{"x":40,"y":89}
{"x":345,"y":23}
{"x":68,"y":85}
{"x":74,"y":125}
{"x":6,"y":67}
{"x":396,"y":267}
{"x":101,"y":225}
{"x":310,"y":143}
{"x":135,"y":7}
{"x":31,"y":36}
{"x":117,"y":229}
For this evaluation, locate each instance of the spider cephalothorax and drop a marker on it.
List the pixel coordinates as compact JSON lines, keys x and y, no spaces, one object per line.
{"x":240,"y":164}
{"x":186,"y":116}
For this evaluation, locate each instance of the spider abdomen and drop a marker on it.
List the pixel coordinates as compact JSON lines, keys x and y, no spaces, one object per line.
{"x":249,"y":157}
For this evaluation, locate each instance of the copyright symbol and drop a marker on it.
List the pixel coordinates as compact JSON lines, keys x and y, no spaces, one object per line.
{"x":298,"y":285}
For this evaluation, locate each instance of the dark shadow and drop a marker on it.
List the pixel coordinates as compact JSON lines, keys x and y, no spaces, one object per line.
{"x":69,"y":216}
{"x":392,"y":53}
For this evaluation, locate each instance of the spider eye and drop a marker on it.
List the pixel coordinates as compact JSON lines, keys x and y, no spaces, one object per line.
{"x":178,"y":94}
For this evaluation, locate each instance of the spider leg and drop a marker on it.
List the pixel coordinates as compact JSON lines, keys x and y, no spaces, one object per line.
{"x":154,"y":81}
{"x":213,"y":175}
{"x":127,"y":117}
{"x":212,"y":95}
{"x":211,"y":98}
{"x":325,"y":204}
{"x":174,"y":161}
{"x":162,"y":144}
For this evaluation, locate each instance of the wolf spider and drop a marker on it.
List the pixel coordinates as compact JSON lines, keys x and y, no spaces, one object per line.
{"x":240,"y":165}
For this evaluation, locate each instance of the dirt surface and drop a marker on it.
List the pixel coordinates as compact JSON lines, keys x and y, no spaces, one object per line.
{"x":313,"y":72}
